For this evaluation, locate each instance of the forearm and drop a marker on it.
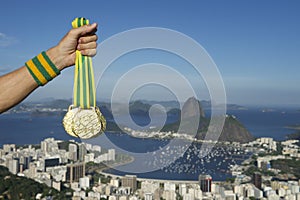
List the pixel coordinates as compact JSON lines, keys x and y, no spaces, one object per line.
{"x":14,"y":87}
{"x":17,"y":85}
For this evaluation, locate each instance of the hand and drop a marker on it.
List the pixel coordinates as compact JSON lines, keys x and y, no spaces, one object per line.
{"x":83,"y":39}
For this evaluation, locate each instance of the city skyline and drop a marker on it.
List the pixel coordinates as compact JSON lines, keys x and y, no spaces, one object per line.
{"x":254,"y":44}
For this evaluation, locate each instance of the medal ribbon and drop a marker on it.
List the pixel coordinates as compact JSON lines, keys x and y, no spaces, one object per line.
{"x":84,"y":85}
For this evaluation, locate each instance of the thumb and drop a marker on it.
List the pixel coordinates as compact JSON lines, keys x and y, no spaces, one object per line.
{"x":84,"y":30}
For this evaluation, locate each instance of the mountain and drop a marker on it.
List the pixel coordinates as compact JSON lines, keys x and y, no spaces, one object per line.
{"x":192,"y":108}
{"x":233,"y":130}
{"x":139,"y":108}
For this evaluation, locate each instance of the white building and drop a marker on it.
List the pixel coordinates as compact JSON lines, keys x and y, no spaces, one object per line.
{"x":111,"y":154}
{"x":149,"y":186}
{"x":148,"y":196}
{"x":169,"y":186}
{"x":84,"y":182}
{"x":73,"y":152}
{"x":97,"y":148}
{"x":13,"y":166}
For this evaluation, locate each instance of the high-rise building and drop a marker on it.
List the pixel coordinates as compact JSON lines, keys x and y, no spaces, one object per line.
{"x":205,"y":181}
{"x":182,"y":189}
{"x":25,"y":161}
{"x":257,"y":180}
{"x":50,"y":162}
{"x":129,"y":181}
{"x":13,"y":166}
{"x":84,"y":182}
{"x":75,"y":172}
{"x":49,"y":145}
{"x":111,"y":154}
{"x":82,"y":151}
{"x":73,"y":152}
{"x":9,"y":148}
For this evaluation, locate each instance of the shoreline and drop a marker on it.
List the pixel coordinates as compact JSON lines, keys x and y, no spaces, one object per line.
{"x":159,"y":180}
{"x":150,"y":179}
{"x":293,"y":127}
{"x":100,"y":171}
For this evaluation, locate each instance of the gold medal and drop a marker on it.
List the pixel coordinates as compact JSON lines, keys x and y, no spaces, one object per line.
{"x":84,"y":123}
{"x":84,"y":119}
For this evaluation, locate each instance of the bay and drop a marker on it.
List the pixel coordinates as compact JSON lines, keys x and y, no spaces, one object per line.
{"x":24,"y":128}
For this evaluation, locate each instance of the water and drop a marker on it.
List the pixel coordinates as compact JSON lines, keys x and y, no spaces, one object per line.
{"x":186,"y":167}
{"x":269,"y":124}
{"x":24,"y":128}
{"x":29,"y":129}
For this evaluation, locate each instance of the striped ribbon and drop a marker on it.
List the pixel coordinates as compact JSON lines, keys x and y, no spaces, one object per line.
{"x":84,"y":85}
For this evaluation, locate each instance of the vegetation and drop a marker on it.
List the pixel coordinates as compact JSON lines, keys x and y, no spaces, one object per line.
{"x":250,"y":171}
{"x":230,"y":180}
{"x":290,"y":166}
{"x":15,"y":187}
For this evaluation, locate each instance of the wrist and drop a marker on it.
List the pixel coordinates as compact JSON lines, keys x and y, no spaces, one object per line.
{"x":56,"y":58}
{"x":42,"y":68}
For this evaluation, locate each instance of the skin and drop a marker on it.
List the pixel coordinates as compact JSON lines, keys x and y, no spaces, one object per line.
{"x":17,"y":85}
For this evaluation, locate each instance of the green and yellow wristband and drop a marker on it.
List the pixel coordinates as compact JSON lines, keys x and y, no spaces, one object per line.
{"x":42,"y":69}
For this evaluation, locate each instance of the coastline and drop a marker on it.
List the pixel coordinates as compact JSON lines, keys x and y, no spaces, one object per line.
{"x":153,"y":180}
{"x":100,"y":171}
{"x":293,"y":127}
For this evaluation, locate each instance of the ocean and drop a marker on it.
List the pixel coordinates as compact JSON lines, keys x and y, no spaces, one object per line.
{"x":24,"y":128}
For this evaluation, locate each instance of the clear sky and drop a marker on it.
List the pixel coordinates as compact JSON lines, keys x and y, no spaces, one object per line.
{"x":255,"y":44}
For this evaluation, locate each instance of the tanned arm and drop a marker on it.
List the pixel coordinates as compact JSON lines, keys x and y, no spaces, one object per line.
{"x":17,"y":85}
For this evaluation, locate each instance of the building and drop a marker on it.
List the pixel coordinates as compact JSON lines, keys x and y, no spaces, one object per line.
{"x":169,"y":195}
{"x":115,"y":182}
{"x":7,"y":148}
{"x":50,"y":162}
{"x":205,"y":181}
{"x":129,"y":181}
{"x":182,"y":189}
{"x":111,"y":154}
{"x":13,"y":166}
{"x":96,"y":148}
{"x":82,"y":151}
{"x":75,"y":172}
{"x":257,"y":180}
{"x":169,"y":186}
{"x":149,"y":187}
{"x":84,"y":182}
{"x":73,"y":152}
{"x":148,"y":196}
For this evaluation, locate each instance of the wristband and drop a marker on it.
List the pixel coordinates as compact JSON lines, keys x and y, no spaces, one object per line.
{"x":42,"y":69}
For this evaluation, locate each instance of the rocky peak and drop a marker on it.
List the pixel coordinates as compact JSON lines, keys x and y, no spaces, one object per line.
{"x":192,"y":108}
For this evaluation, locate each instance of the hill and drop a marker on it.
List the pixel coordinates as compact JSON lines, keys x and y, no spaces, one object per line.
{"x":233,"y":130}
{"x":16,"y":187}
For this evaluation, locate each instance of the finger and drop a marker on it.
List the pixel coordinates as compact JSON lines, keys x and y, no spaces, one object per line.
{"x":83,"y":30}
{"x":90,"y":45}
{"x":89,"y":52}
{"x":87,"y":39}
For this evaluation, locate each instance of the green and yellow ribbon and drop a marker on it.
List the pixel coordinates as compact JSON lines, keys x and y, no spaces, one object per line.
{"x":84,"y":85}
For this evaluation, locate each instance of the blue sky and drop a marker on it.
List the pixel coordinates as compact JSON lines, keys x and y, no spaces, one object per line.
{"x":255,"y":44}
